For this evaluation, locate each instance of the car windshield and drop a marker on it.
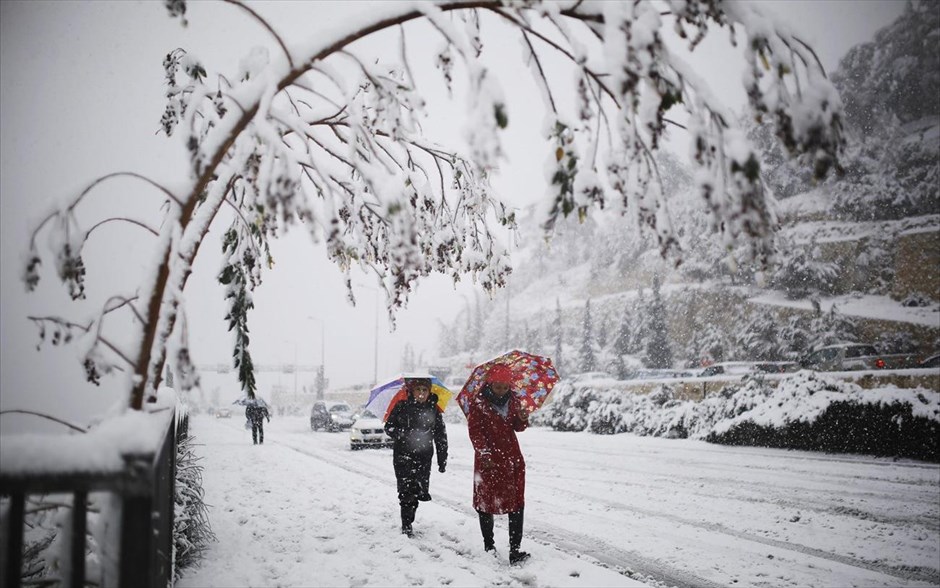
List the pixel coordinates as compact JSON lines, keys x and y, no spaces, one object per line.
{"x":366,"y":414}
{"x":339,"y":408}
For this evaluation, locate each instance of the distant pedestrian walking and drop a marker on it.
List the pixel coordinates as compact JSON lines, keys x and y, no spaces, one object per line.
{"x":256,"y":412}
{"x":417,"y":427}
{"x":498,"y":467}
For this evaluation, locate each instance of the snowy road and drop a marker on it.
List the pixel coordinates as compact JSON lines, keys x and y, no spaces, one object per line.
{"x":304,"y":510}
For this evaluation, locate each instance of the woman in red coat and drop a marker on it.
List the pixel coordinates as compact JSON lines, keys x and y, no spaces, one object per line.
{"x":498,"y":467}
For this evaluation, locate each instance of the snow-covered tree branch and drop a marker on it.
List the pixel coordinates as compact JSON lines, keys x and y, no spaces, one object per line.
{"x":316,"y":136}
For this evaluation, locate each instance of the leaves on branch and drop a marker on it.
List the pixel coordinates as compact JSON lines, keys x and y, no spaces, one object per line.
{"x":236,"y":275}
{"x":335,"y":143}
{"x":176,"y":9}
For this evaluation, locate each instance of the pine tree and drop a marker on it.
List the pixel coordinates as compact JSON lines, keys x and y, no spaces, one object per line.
{"x":536,"y":342}
{"x":640,"y":332}
{"x":625,"y":333}
{"x":802,"y":272}
{"x":760,"y":339}
{"x":658,"y":353}
{"x":586,"y":359}
{"x":559,"y":333}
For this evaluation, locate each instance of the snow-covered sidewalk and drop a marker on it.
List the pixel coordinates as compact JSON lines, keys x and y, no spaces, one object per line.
{"x":292,"y":513}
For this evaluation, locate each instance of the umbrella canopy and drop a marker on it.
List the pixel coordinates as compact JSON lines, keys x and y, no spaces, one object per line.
{"x":383,"y":398}
{"x":256,"y":401}
{"x":533,"y":377}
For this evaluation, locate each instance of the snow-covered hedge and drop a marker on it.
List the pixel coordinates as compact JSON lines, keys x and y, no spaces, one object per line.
{"x":192,"y":532}
{"x":806,"y":411}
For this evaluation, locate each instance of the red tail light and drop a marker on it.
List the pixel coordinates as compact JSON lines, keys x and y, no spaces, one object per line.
{"x":880,"y":363}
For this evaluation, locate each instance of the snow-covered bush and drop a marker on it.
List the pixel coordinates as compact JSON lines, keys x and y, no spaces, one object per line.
{"x":812,"y":413}
{"x":804,"y":411}
{"x":802,"y":271}
{"x":192,"y":532}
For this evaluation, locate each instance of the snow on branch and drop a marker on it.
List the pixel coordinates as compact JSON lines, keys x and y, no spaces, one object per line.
{"x":315,"y":135}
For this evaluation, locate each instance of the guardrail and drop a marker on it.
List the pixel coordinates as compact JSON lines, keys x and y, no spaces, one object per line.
{"x":142,"y":479}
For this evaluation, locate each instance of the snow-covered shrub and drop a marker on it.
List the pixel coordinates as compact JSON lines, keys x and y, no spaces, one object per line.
{"x":191,"y":530}
{"x":803,"y":272}
{"x":805,"y":411}
{"x":917,"y":300}
{"x":810,"y":412}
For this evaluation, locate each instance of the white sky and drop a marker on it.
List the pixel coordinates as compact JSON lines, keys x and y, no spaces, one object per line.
{"x":81,"y":94}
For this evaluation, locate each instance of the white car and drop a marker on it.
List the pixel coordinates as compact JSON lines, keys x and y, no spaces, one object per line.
{"x":368,"y":431}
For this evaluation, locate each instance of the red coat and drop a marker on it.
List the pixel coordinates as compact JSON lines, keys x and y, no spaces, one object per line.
{"x":499,"y":489}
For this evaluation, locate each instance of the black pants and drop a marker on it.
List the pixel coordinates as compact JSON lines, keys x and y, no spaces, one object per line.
{"x":515,"y":529}
{"x":257,"y":432}
{"x":413,"y":475}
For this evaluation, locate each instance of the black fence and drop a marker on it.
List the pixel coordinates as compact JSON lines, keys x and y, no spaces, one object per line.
{"x":145,"y":486}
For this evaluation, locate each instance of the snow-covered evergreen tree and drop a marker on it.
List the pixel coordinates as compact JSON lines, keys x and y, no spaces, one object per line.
{"x":760,"y":339}
{"x":658,"y":351}
{"x":587,"y":358}
{"x":889,"y":87}
{"x":558,"y":329}
{"x":802,"y":272}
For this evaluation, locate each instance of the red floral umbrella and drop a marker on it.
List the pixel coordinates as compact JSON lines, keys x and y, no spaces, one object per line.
{"x":533,"y":378}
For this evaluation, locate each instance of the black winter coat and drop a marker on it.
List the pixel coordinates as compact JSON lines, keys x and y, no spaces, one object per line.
{"x":418,"y":428}
{"x":256,"y":414}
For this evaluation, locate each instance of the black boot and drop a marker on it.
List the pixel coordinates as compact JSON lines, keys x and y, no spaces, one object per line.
{"x":486,"y":528}
{"x":515,"y":538}
{"x":407,"y":518}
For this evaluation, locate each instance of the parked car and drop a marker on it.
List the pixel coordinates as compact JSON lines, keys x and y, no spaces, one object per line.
{"x":223,"y":413}
{"x":455,"y":383}
{"x":331,"y":416}
{"x":931,"y":362}
{"x":730,"y":368}
{"x":368,"y":431}
{"x":855,"y":356}
{"x":777,"y":367}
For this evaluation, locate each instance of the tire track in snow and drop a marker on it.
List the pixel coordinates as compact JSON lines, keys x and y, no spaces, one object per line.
{"x":759,"y":494}
{"x":902,"y":572}
{"x":795,"y":455}
{"x":627,"y":563}
{"x":721,"y":471}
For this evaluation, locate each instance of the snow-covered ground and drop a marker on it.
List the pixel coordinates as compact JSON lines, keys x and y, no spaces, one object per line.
{"x":304,"y":510}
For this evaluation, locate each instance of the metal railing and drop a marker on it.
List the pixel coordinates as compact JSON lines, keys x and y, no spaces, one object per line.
{"x":145,"y":486}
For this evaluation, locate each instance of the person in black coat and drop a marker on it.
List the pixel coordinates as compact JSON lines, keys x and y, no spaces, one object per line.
{"x":256,"y":412}
{"x":417,"y":427}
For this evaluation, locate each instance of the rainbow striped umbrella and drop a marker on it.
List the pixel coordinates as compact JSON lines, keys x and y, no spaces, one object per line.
{"x":383,"y":398}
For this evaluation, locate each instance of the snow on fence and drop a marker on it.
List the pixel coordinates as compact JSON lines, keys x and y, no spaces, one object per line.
{"x":132,"y":459}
